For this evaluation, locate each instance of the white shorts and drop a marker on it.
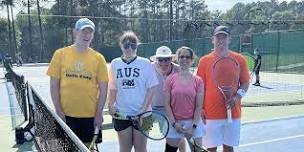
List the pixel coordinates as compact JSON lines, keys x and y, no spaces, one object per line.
{"x":219,"y":132}
{"x":198,"y":132}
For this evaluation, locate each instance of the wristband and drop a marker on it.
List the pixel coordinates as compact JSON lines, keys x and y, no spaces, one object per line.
{"x":241,"y":92}
{"x":173,"y":124}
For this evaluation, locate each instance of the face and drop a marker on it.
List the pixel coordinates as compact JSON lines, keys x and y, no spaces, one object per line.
{"x":128,"y":49}
{"x":164,"y":64}
{"x":84,"y":37}
{"x":185,"y":59}
{"x":221,"y":41}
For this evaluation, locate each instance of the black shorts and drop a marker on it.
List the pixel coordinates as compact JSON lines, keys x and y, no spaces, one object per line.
{"x":82,"y":127}
{"x":120,"y":125}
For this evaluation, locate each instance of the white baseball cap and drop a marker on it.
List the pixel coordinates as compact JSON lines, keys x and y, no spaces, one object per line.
{"x":162,"y":52}
{"x":84,"y":23}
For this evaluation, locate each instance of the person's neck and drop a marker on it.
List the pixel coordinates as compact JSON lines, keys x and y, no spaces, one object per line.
{"x":128,"y":58}
{"x":80,"y":48}
{"x":221,"y":51}
{"x":185,"y":72}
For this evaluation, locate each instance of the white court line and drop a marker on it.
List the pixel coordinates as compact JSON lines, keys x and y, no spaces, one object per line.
{"x":272,"y":140}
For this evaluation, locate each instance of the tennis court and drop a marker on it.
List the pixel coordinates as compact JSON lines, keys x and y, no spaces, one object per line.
{"x":261,"y":136}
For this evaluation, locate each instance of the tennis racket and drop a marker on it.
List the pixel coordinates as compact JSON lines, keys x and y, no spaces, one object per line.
{"x":151,"y":124}
{"x":225,"y":75}
{"x":93,"y":145}
{"x":195,"y":147}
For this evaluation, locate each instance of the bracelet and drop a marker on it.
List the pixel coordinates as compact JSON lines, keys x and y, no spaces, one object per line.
{"x":241,"y":92}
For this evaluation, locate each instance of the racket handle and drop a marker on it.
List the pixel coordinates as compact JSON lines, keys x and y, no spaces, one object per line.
{"x":229,"y":116}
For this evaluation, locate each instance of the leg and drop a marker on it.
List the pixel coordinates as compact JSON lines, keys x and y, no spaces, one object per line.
{"x":214,"y":134}
{"x":140,"y":141}
{"x":227,"y":148}
{"x":125,"y":140}
{"x":172,"y":144}
{"x":182,"y":145}
{"x":125,"y":135}
{"x":231,"y":135}
{"x":212,"y":149}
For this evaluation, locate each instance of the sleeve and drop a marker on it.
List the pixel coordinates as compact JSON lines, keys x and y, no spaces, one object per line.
{"x":102,"y":73}
{"x":112,"y":77}
{"x":201,"y":68}
{"x":244,"y":75}
{"x":151,"y":75}
{"x":55,"y":65}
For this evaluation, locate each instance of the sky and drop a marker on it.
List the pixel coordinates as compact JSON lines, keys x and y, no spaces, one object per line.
{"x":222,"y":5}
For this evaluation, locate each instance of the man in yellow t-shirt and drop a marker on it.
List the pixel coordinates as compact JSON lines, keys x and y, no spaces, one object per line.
{"x":79,"y":81}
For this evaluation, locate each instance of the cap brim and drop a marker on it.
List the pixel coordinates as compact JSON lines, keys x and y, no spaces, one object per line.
{"x":221,"y":32}
{"x":153,"y":58}
{"x":87,"y":26}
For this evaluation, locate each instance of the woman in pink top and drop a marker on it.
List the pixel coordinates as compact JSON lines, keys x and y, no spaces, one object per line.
{"x":183,"y":102}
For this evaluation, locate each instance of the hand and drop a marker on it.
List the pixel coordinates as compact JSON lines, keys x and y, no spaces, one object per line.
{"x":232,"y":101}
{"x":61,"y":114}
{"x":189,"y":132}
{"x":98,"y":120}
{"x":179,"y":128}
{"x":112,"y":110}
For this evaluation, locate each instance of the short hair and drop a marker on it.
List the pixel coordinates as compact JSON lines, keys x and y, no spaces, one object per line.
{"x":179,"y":50}
{"x":128,"y":36}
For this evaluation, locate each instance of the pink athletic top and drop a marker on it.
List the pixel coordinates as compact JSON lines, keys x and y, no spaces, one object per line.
{"x":183,"y":95}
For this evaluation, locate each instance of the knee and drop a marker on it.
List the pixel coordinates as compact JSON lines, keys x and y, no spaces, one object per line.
{"x":170,"y":148}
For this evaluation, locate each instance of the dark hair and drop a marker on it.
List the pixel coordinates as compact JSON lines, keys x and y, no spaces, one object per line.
{"x":128,"y":36}
{"x":179,"y":50}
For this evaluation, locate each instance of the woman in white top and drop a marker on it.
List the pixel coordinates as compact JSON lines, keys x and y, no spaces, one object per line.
{"x":132,"y":83}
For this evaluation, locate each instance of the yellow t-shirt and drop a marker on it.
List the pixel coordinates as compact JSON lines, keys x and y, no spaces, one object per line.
{"x":79,"y":75}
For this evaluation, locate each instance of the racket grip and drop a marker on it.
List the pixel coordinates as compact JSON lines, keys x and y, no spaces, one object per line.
{"x":229,"y":116}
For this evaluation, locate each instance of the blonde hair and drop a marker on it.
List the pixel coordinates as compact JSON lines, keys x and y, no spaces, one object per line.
{"x":128,"y":36}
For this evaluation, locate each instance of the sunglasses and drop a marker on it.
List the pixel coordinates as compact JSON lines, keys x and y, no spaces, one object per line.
{"x":164,"y":60}
{"x":185,"y":57}
{"x":128,"y":45}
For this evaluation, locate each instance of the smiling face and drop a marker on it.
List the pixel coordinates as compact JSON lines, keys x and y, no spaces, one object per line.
{"x":164,"y":64}
{"x":84,"y":37}
{"x":185,"y":58}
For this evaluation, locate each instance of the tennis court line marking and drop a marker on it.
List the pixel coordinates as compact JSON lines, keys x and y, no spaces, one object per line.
{"x":272,"y":140}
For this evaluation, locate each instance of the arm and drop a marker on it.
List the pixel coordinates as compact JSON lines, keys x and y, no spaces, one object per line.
{"x":198,"y":107}
{"x":103,"y":88}
{"x":168,"y":107}
{"x":55,"y":94}
{"x":148,"y":99}
{"x":237,"y":97}
{"x":111,"y":101}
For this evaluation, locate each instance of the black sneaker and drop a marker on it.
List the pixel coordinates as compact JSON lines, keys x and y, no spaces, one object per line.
{"x":256,"y":84}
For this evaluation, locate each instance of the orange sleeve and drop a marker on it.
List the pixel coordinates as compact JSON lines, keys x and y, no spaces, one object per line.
{"x":201,"y":68}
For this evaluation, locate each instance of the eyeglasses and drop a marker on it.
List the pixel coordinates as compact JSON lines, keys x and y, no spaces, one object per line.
{"x":185,"y":57}
{"x":164,"y":60}
{"x":128,"y":45}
